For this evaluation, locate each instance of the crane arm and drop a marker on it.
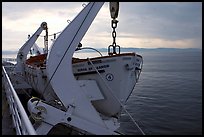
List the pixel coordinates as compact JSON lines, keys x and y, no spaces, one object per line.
{"x":24,"y":50}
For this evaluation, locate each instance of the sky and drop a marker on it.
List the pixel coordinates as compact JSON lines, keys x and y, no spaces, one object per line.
{"x":141,"y":24}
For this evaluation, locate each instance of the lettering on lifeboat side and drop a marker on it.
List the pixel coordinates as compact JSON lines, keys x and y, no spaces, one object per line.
{"x":89,"y":70}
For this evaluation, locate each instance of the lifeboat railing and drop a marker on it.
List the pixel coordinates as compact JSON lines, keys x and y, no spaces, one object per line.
{"x":20,"y":119}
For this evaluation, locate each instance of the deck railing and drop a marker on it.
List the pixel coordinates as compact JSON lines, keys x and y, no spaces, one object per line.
{"x":20,"y":119}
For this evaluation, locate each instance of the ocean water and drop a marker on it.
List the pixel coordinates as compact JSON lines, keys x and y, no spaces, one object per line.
{"x":167,"y":100}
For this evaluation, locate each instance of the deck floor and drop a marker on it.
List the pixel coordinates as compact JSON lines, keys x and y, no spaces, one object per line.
{"x":7,"y":124}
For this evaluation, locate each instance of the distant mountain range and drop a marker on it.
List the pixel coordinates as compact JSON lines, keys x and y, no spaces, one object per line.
{"x":126,"y":50}
{"x":152,"y":49}
{"x":9,"y":52}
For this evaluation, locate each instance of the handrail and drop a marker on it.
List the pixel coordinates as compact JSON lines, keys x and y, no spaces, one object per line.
{"x":20,"y":118}
{"x":89,"y":48}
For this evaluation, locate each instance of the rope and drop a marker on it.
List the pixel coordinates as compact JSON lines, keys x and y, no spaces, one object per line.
{"x":117,"y":98}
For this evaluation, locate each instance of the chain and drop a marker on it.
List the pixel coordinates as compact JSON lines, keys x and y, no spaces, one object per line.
{"x":114,"y":25}
{"x":114,"y":46}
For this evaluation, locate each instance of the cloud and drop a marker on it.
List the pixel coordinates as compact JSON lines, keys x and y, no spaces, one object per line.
{"x":163,"y":20}
{"x":141,"y":24}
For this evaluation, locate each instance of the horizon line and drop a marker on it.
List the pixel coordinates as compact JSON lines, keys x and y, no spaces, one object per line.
{"x":14,"y":50}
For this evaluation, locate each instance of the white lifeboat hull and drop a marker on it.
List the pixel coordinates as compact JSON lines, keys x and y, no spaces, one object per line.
{"x":116,"y":77}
